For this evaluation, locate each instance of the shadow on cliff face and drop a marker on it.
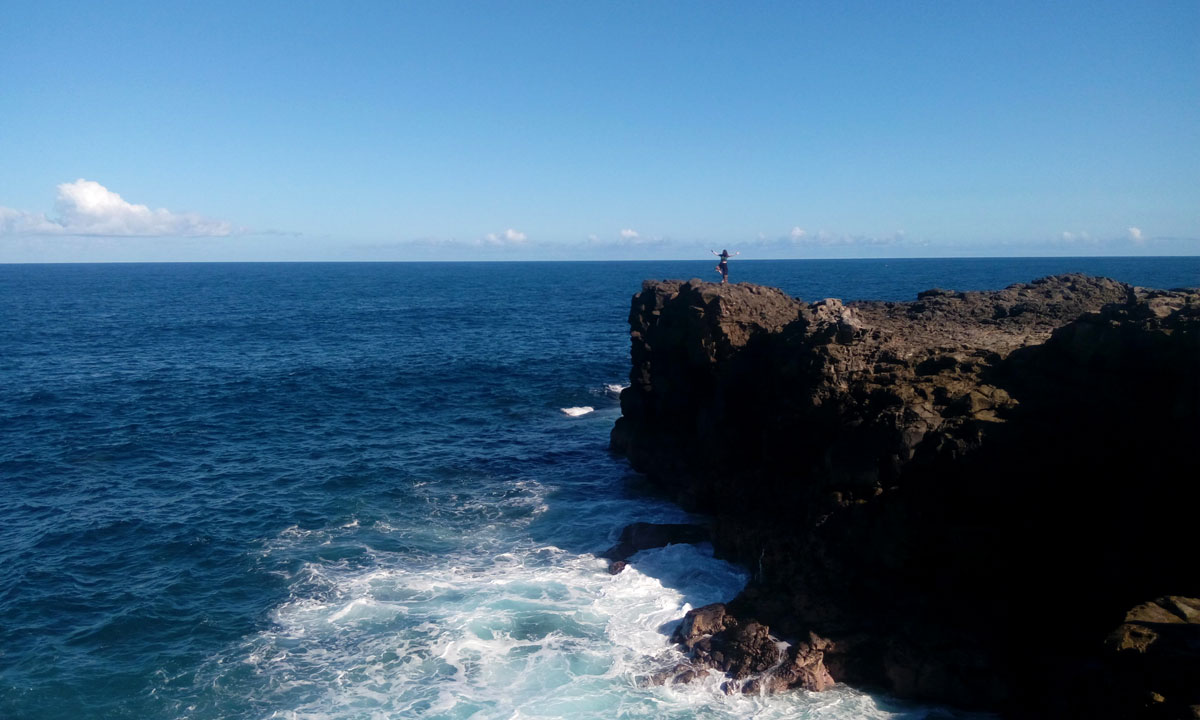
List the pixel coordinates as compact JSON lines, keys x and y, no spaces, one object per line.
{"x":1105,"y":481}
{"x":1107,"y":422}
{"x":966,"y":493}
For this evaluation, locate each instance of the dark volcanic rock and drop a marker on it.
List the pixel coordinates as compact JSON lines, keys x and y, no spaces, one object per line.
{"x":1149,"y":666}
{"x":964,"y":493}
{"x":646,"y":536}
{"x":715,"y":639}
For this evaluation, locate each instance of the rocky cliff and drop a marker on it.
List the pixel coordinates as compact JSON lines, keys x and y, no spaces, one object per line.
{"x":970,"y":498}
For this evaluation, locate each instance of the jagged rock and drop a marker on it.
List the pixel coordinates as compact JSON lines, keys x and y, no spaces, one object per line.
{"x":715,"y":639}
{"x":804,"y":667}
{"x":737,"y":649}
{"x":835,"y":321}
{"x":922,"y":482}
{"x":700,"y":623}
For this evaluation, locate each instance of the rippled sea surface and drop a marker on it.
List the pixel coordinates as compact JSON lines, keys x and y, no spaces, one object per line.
{"x":352,"y":491}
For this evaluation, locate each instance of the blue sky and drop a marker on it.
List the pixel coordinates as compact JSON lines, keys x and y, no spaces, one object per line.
{"x":571,"y":130}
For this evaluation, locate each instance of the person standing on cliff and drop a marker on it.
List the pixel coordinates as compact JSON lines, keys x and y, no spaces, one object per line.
{"x":723,"y":266}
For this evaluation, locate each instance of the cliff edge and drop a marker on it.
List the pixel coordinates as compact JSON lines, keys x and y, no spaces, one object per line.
{"x":986,"y":499}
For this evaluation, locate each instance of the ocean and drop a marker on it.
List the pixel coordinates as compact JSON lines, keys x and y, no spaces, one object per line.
{"x":363,"y":490}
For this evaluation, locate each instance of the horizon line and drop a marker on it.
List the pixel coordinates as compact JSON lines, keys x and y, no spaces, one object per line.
{"x":589,"y":260}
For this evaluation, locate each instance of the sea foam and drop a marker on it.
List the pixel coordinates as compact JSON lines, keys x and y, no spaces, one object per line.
{"x":532,"y":631}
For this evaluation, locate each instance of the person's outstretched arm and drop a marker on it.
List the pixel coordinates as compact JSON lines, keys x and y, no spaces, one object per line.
{"x":714,"y":252}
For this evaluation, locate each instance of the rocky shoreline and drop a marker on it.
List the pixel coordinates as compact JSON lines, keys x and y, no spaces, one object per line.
{"x":985,"y":499}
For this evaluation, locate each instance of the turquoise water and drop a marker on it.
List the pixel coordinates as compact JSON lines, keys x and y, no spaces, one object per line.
{"x":352,"y":491}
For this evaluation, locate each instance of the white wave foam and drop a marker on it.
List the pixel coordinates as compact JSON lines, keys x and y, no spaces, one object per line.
{"x":615,"y":388}
{"x":534,"y":631}
{"x":577,"y":411}
{"x":503,"y":627}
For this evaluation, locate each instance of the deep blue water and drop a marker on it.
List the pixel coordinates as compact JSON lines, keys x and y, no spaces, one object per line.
{"x":349,"y":490}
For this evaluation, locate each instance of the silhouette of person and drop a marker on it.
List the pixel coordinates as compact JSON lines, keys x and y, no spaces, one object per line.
{"x":723,"y":266}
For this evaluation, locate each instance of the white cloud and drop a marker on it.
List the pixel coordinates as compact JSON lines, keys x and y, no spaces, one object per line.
{"x":19,"y":222}
{"x":630,"y":238}
{"x":86,"y":207}
{"x":508,"y":237}
{"x":1069,"y":237}
{"x":1135,"y":234}
{"x":825,"y":238}
{"x":824,"y":242}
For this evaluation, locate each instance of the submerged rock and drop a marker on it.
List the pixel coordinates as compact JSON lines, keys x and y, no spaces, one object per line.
{"x":639,"y":536}
{"x":953,"y":499}
{"x":636,"y":537}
